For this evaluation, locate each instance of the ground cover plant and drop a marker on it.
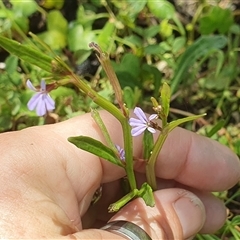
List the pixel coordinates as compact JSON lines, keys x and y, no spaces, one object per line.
{"x":193,"y":48}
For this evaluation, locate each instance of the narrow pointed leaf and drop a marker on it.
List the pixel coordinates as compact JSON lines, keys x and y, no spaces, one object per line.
{"x":105,"y":37}
{"x":216,"y":127}
{"x":200,"y":48}
{"x":176,"y":123}
{"x":96,"y":116}
{"x":96,"y":147}
{"x":165,"y":98}
{"x":27,"y":53}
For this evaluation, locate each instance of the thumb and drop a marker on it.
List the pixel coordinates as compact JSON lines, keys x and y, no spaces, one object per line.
{"x":177,"y":214}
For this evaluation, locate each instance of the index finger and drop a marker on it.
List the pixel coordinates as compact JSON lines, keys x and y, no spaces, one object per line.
{"x":186,"y":157}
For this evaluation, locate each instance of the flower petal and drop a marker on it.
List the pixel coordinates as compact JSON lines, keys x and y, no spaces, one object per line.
{"x":43,"y":86}
{"x":121,"y":152}
{"x":41,"y":106}
{"x":135,"y":122}
{"x":140,"y":125}
{"x":138,"y":130}
{"x":152,"y":130}
{"x":32,"y":103}
{"x":49,"y":102}
{"x":140,"y":114}
{"x":30,"y":86}
{"x":152,"y":117}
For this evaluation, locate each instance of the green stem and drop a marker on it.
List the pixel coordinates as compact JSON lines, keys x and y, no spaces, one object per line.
{"x":98,"y":99}
{"x":129,"y":154}
{"x":150,"y":167}
{"x":122,"y":116}
{"x":101,"y":101}
{"x":124,"y":200}
{"x":164,"y":122}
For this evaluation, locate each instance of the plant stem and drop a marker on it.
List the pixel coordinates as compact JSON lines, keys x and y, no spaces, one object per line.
{"x":101,"y":101}
{"x":122,"y":115}
{"x":128,"y":154}
{"x":124,"y":200}
{"x":150,"y":167}
{"x":98,"y":99}
{"x":106,"y":64}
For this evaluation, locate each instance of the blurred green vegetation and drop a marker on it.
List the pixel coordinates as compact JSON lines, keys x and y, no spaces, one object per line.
{"x":195,"y":49}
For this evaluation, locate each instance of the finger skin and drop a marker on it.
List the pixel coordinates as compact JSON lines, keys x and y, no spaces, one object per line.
{"x":216,"y":213}
{"x":178,"y":214}
{"x":186,"y":157}
{"x":47,"y":183}
{"x":200,"y":162}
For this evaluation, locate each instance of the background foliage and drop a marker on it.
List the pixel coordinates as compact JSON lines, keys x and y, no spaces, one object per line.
{"x":193,"y":45}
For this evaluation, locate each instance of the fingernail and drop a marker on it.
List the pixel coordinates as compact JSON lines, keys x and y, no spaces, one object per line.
{"x":191,"y":213}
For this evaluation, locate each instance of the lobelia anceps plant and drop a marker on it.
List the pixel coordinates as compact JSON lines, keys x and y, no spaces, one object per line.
{"x":122,"y":156}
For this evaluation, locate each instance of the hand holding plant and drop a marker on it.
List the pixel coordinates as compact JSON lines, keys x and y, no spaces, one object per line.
{"x":150,"y":42}
{"x":121,"y":156}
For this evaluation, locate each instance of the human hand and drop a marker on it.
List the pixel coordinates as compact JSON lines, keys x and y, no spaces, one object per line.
{"x":47,"y":184}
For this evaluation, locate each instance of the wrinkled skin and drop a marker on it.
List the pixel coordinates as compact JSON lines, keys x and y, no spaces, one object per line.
{"x":47,"y":184}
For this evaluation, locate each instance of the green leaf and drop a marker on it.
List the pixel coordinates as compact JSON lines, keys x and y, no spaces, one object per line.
{"x":62,"y":92}
{"x":133,"y":41}
{"x":22,"y":23}
{"x":150,"y":31}
{"x":131,"y":96}
{"x":198,"y":49}
{"x":148,"y":144}
{"x":27,"y":53}
{"x":150,"y":72}
{"x":134,"y":8}
{"x":11,"y":64}
{"x":176,"y":123}
{"x":128,"y":97}
{"x":24,"y":8}
{"x":153,"y":49}
{"x":78,"y":38}
{"x":5,"y":123}
{"x":53,"y":4}
{"x":97,"y":148}
{"x":146,"y":193}
{"x":55,"y":36}
{"x":56,"y":21}
{"x":217,"y":19}
{"x":215,"y":128}
{"x":105,"y":38}
{"x":54,"y":39}
{"x":161,"y":9}
{"x":178,"y":44}
{"x":165,"y":99}
{"x":165,"y":28}
{"x":128,"y":70}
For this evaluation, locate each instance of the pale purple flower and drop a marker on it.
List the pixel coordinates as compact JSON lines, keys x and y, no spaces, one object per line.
{"x":141,"y":123}
{"x":121,"y":152}
{"x":41,"y":100}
